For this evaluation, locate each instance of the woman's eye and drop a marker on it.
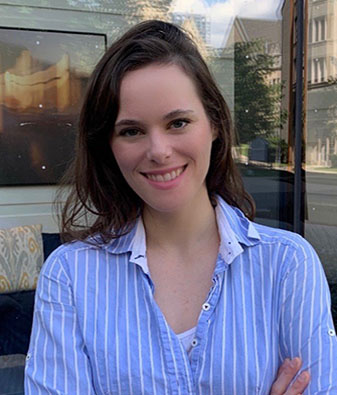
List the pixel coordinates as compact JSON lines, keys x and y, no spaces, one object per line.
{"x":129,"y":132}
{"x":179,"y":123}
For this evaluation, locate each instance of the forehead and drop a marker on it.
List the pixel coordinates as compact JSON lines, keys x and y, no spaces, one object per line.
{"x":157,"y":87}
{"x":155,"y":71}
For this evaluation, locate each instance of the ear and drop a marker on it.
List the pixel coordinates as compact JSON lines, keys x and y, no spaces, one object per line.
{"x":214,"y":134}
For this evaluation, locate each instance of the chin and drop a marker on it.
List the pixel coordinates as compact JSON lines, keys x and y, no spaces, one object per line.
{"x":160,"y":207}
{"x":167,"y":204}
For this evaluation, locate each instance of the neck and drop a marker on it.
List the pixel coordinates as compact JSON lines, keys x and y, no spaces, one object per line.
{"x":183,"y":230}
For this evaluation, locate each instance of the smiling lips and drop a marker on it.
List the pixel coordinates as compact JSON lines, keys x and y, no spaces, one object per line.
{"x":164,"y":177}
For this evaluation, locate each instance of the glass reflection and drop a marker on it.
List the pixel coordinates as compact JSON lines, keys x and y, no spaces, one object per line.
{"x":321,"y":133}
{"x":43,"y":76}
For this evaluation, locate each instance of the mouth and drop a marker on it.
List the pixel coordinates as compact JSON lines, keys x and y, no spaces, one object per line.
{"x":165,"y":177}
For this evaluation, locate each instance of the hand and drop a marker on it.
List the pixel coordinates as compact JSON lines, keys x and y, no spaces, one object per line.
{"x":285,"y":374}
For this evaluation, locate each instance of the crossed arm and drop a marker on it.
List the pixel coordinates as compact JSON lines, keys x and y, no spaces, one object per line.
{"x":286,"y":373}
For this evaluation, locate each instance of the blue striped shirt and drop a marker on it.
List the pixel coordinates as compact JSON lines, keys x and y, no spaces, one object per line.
{"x":98,"y":330}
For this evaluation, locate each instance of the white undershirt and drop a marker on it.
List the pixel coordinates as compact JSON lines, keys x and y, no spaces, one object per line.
{"x":186,"y":339}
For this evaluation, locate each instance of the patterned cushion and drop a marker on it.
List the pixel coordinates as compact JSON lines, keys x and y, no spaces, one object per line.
{"x":21,"y":257}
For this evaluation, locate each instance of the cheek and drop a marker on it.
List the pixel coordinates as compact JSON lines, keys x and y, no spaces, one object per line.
{"x":202,"y":145}
{"x":122,"y":155}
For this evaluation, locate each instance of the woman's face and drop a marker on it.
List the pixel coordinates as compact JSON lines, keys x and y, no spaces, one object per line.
{"x":162,"y":137}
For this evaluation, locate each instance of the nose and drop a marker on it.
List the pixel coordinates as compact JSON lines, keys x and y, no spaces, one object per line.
{"x":159,"y":147}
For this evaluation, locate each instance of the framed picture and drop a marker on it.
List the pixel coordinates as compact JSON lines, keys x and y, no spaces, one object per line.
{"x":43,"y":77}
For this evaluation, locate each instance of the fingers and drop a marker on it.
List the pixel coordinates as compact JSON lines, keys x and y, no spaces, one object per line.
{"x":283,"y":366}
{"x":286,"y":374}
{"x":300,"y":384}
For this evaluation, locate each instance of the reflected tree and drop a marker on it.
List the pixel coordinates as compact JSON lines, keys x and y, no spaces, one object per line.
{"x":257,"y":102}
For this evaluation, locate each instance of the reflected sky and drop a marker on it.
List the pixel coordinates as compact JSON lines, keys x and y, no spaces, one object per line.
{"x":222,"y":13}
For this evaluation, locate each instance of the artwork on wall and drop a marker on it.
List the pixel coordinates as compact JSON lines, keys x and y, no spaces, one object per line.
{"x":43,"y":77}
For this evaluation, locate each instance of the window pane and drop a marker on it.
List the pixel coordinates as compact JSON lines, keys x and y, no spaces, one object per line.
{"x":258,"y":114}
{"x":321,"y":142}
{"x":316,"y":30}
{"x":323,"y":29}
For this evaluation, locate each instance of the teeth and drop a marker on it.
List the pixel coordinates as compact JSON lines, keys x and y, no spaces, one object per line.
{"x":166,"y":177}
{"x":169,"y":177}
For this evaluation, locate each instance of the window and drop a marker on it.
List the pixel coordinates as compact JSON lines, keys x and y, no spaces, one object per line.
{"x":321,"y":143}
{"x":317,"y":30}
{"x":322,"y":21}
{"x":319,"y":70}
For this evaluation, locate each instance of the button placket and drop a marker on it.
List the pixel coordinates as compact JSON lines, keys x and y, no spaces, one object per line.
{"x":207,"y":306}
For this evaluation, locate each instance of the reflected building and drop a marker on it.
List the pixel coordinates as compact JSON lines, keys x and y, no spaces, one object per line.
{"x":142,"y":10}
{"x":146,"y":9}
{"x":319,"y":154}
{"x":202,"y":24}
{"x":268,"y":31}
{"x":320,"y":80}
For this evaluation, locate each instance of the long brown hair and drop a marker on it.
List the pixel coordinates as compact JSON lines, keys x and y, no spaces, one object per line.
{"x":100,"y":200}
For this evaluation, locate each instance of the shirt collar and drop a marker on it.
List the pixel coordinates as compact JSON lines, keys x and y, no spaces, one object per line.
{"x":138,"y":247}
{"x":133,"y":242}
{"x":234,"y":228}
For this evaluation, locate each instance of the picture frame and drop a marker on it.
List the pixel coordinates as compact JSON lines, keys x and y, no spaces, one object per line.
{"x":43,"y":78}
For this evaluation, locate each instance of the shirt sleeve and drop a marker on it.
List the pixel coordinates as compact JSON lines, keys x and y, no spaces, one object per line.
{"x":57,"y":362}
{"x":306,"y":326}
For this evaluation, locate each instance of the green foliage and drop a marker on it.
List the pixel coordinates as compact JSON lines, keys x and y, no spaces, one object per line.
{"x":256,"y":103}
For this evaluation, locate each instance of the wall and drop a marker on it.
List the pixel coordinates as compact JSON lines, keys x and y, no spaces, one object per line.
{"x":26,"y":206}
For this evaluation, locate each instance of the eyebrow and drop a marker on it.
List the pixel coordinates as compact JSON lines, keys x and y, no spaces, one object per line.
{"x":176,"y":113}
{"x":170,"y":115}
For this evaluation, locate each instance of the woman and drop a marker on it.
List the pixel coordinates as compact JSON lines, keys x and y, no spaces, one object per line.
{"x":171,"y":289}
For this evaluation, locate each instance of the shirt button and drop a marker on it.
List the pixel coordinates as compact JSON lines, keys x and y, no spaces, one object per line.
{"x":28,"y":357}
{"x":194,"y":342}
{"x":332,"y":332}
{"x":206,"y":306}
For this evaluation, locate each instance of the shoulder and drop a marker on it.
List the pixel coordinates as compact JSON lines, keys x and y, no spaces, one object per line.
{"x":291,"y":241}
{"x":90,"y":252}
{"x":283,"y":243}
{"x":72,"y":247}
{"x":62,"y":259}
{"x":289,"y":254}
{"x":282,"y":236}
